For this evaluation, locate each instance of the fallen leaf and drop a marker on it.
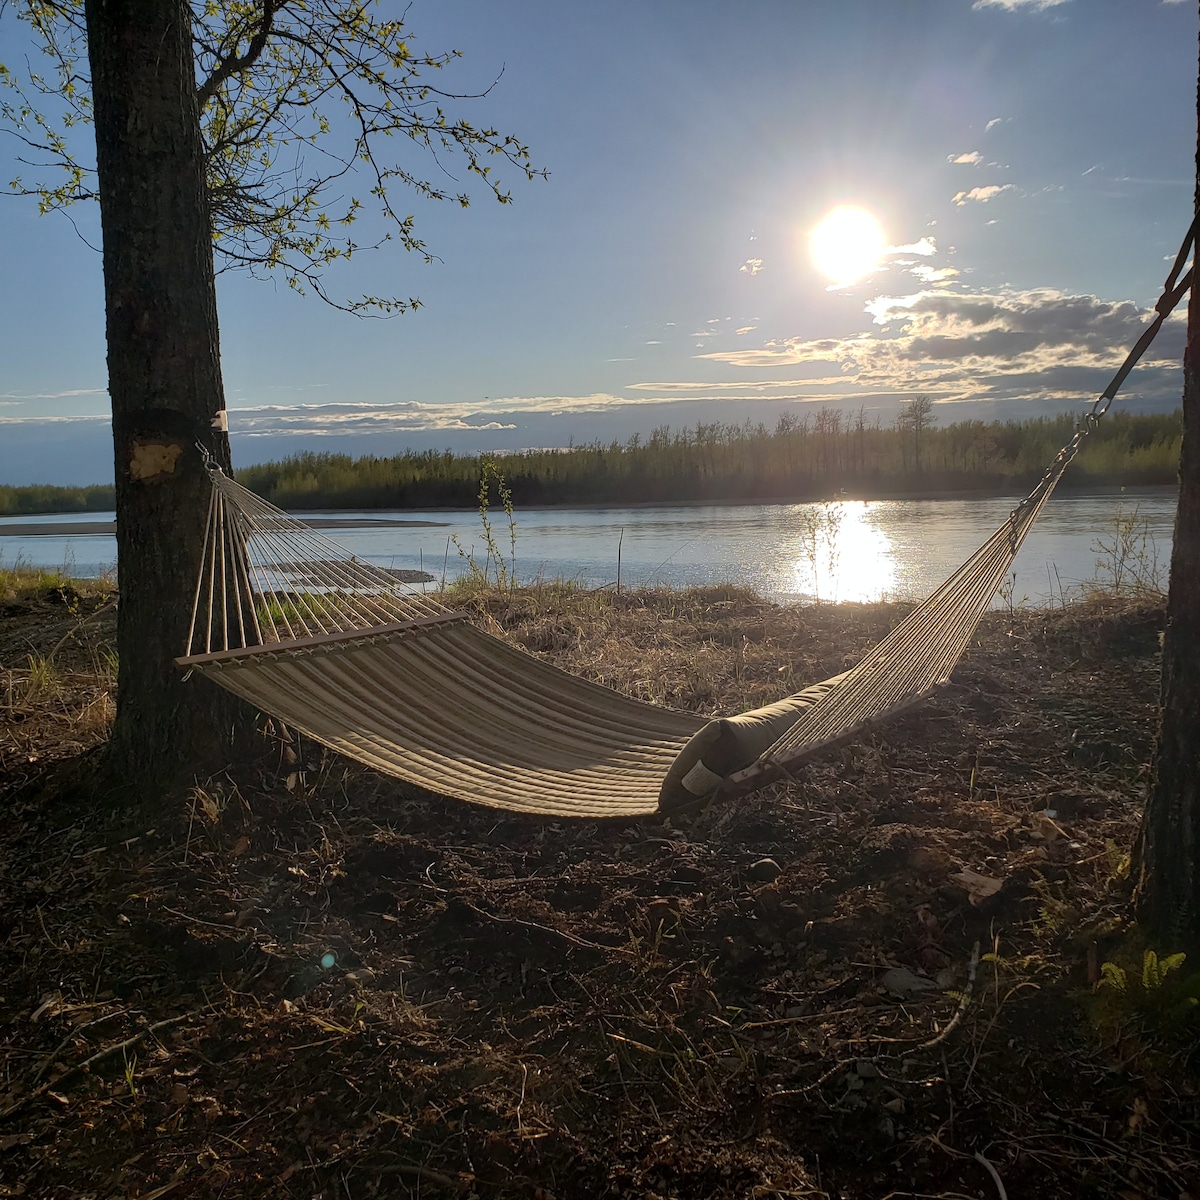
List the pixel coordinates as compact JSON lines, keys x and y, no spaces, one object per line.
{"x":901,"y":982}
{"x":978,"y":887}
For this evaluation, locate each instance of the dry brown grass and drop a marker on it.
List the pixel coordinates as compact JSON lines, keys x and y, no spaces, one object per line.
{"x":57,"y":669}
{"x":600,"y":1010}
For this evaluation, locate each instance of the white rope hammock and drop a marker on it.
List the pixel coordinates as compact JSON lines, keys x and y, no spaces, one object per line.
{"x":363,"y":662}
{"x":353,"y":656}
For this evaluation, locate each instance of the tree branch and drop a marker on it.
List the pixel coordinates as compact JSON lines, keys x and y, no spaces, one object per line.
{"x":228,"y":67}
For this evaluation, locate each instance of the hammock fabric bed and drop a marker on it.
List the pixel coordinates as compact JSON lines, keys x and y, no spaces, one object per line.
{"x":350,"y":655}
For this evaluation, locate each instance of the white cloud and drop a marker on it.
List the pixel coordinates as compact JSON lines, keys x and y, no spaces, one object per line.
{"x":70,"y":394}
{"x":981,"y":195}
{"x":751,"y":266}
{"x":925,"y":246}
{"x":971,"y":159}
{"x":927,"y":274}
{"x":406,"y":417}
{"x":1016,"y":5}
{"x":1002,"y":345}
{"x":745,"y":329}
{"x":675,"y":387}
{"x":992,"y":124}
{"x":85,"y":419}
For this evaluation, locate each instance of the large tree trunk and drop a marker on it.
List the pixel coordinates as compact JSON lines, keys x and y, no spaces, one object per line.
{"x":164,"y":370}
{"x":1167,"y":858}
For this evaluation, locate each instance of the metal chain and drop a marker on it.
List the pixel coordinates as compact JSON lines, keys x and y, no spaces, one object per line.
{"x":209,"y":463}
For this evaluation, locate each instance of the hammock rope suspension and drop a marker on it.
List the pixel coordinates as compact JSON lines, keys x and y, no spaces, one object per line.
{"x":357,"y":657}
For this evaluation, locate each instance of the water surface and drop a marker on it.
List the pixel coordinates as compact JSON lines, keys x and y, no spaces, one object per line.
{"x":849,"y":550}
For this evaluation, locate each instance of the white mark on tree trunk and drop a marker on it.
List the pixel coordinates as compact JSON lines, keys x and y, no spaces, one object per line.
{"x":150,"y":460}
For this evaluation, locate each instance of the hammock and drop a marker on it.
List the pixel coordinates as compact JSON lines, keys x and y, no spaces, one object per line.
{"x":354,"y":657}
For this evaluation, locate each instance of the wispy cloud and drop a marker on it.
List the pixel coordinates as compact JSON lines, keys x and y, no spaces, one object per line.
{"x":21,"y":397}
{"x":1017,"y":5}
{"x":745,"y":329}
{"x":927,"y":274}
{"x":408,"y":417}
{"x":971,"y":159}
{"x":85,"y":419}
{"x":752,"y":266}
{"x":981,"y":195}
{"x":992,"y":124}
{"x":924,"y":246}
{"x":755,"y":386}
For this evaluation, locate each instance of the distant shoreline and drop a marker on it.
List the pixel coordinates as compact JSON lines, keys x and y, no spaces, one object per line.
{"x":329,"y":520}
{"x":109,"y":528}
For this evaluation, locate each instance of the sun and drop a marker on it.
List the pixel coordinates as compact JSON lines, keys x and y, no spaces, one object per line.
{"x":847,"y":244}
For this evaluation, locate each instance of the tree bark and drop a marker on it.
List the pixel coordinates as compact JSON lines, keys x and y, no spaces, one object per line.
{"x":164,"y":370}
{"x":1167,"y":855}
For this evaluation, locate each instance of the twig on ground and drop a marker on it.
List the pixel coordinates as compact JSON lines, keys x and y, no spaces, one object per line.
{"x":106,"y":1052}
{"x":561,"y":933}
{"x":964,"y":1002}
{"x":987,"y":1166}
{"x":412,"y":1169}
{"x":48,"y":1061}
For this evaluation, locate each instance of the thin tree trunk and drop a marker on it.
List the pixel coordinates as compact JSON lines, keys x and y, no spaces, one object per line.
{"x":1167,"y":855}
{"x":164,"y":369}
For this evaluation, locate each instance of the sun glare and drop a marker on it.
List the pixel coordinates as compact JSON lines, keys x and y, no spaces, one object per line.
{"x":847,"y":244}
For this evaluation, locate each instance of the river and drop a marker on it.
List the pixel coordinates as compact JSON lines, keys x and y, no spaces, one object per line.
{"x":841,"y":551}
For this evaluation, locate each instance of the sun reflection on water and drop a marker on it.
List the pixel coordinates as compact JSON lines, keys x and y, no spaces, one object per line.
{"x":840,"y":554}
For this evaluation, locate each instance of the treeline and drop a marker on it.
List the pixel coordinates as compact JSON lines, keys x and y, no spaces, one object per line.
{"x":802,"y":457}
{"x":42,"y":498}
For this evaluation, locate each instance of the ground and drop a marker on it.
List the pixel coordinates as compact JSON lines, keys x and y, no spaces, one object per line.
{"x":897,"y":975}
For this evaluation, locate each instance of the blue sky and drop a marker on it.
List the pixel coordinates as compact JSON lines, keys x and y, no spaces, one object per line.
{"x":1030,"y":163}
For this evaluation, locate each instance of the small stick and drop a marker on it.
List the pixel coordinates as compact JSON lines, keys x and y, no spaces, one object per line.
{"x":963,"y":1002}
{"x":415,"y":1171}
{"x":562,"y":933}
{"x":49,"y":1059}
{"x":106,"y":1052}
{"x":811,"y":1087}
{"x":987,"y":1166}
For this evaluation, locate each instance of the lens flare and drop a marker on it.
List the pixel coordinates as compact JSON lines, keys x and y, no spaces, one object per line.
{"x":847,"y":244}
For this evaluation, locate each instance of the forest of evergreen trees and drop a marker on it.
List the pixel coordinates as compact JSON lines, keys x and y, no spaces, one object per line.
{"x":801,"y":458}
{"x":42,"y":498}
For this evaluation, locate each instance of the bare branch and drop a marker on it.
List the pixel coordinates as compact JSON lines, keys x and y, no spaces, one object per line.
{"x":229,"y":67}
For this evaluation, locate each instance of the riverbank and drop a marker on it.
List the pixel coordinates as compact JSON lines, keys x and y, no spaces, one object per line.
{"x":879,"y":979}
{"x":109,"y":528}
{"x":329,"y":518}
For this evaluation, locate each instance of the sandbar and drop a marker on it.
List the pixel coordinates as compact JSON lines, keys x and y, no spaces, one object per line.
{"x":108,"y":528}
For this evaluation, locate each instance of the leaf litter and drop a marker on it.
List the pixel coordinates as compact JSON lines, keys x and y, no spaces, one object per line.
{"x":344,"y":988}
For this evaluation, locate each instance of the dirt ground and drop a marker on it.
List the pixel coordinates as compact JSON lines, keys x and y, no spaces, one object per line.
{"x":896,"y":976}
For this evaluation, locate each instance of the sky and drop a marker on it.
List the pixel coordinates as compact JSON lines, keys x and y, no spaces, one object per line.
{"x":1029,"y":166}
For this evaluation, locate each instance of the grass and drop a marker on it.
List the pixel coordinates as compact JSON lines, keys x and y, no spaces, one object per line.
{"x":58,"y":678}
